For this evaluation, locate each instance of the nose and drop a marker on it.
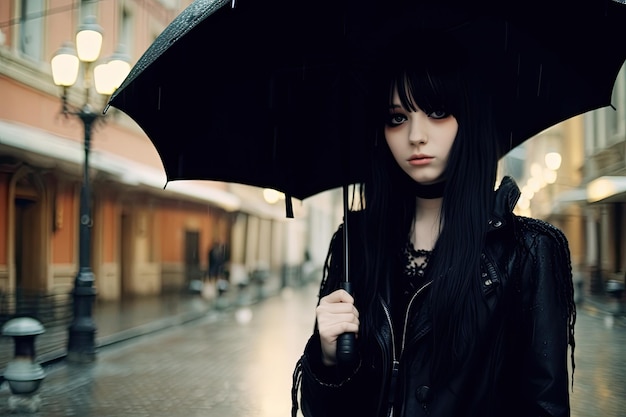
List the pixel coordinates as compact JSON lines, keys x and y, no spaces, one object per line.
{"x":418,"y":134}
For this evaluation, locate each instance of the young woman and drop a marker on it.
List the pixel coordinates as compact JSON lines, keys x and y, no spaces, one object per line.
{"x":460,"y":307}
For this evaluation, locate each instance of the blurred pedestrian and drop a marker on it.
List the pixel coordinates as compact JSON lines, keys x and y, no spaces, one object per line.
{"x":460,"y":307}
{"x":217,"y":261}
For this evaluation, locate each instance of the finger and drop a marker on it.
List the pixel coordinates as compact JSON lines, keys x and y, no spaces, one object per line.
{"x":327,"y":318}
{"x":333,"y":331}
{"x":338,"y":296}
{"x":337,"y":308}
{"x":331,"y":325}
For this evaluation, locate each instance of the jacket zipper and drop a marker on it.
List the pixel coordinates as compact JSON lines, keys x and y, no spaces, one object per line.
{"x":394,"y":361}
{"x":395,"y":368}
{"x":395,"y":356}
{"x":406,"y":315}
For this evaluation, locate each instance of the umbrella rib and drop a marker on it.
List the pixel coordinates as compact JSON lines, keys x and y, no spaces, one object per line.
{"x":519,"y":64}
{"x":506,"y":36}
{"x":539,"y":81}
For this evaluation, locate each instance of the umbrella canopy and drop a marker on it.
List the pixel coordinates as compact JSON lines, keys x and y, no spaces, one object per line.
{"x":275,"y":93}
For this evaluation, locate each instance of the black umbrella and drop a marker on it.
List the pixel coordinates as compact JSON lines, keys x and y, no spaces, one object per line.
{"x":275,"y":93}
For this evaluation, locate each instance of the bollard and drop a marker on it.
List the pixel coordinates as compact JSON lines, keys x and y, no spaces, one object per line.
{"x":23,"y":374}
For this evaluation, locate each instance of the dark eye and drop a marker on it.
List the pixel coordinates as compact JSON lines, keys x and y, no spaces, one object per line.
{"x":438,"y":114}
{"x":395,"y":119}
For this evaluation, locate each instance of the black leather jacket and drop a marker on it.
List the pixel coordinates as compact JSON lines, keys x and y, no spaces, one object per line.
{"x":520,"y":366}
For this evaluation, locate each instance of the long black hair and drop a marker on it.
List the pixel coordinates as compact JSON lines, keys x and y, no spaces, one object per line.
{"x":439,"y":81}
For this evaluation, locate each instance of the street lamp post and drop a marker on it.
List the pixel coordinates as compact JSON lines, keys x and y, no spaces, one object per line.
{"x":106,"y":78}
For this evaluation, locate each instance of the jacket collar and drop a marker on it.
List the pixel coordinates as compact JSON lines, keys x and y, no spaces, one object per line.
{"x":506,"y":197}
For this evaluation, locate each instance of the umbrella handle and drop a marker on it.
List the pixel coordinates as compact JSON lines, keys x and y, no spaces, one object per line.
{"x":346,"y":342}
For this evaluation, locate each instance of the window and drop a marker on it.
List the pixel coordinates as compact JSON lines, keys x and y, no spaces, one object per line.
{"x":125,"y":35}
{"x":31,"y":29}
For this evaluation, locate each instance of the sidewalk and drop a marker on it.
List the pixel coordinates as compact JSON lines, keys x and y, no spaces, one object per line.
{"x":117,"y":321}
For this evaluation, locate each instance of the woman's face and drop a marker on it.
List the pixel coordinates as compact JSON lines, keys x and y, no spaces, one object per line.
{"x":420,"y":142}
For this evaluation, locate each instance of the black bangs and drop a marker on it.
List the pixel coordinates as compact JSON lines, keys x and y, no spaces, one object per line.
{"x":430,"y":89}
{"x":427,"y":74}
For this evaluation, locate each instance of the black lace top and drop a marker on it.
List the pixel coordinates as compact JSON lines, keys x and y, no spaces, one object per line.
{"x":415,"y":262}
{"x":412,"y":278}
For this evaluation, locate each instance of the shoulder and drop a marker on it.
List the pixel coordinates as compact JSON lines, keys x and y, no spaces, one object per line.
{"x":532,"y":232}
{"x":353,"y":229}
{"x":357,"y":216}
{"x":531,"y":251}
{"x":543,"y":268}
{"x":526,"y":230}
{"x":542,"y":257}
{"x":354,"y":225}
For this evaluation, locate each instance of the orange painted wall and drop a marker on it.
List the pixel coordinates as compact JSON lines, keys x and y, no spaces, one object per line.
{"x":175,"y":219}
{"x":110,"y":229}
{"x":172,"y":219}
{"x":65,"y":235}
{"x":7,"y":13}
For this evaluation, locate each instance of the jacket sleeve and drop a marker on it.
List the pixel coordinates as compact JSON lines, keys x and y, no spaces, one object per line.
{"x":548,"y":321}
{"x":325,"y":391}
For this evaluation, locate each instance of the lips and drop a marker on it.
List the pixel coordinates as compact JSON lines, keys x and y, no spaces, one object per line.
{"x":420,"y":159}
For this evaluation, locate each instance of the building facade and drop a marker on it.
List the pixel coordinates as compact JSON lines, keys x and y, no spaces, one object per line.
{"x":604,"y":177}
{"x":148,"y":237}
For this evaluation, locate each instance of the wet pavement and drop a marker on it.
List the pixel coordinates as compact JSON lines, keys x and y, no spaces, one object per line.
{"x":230,"y":362}
{"x":239,"y":361}
{"x":600,"y":357}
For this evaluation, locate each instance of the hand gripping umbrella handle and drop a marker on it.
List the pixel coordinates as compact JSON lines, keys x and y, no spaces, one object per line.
{"x":346,"y":343}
